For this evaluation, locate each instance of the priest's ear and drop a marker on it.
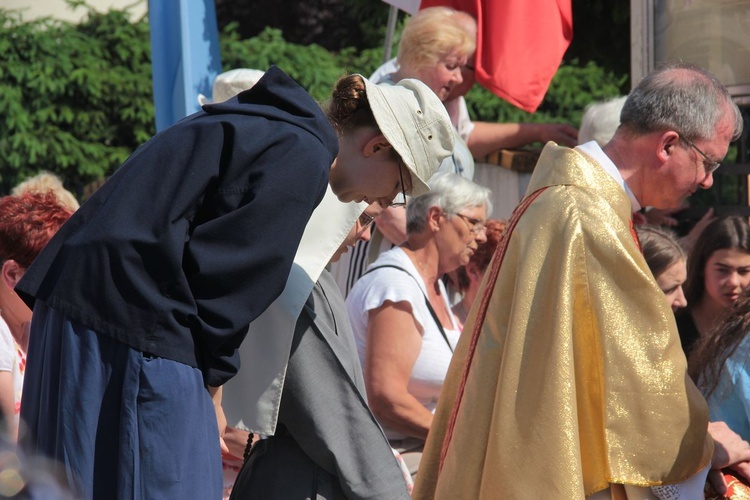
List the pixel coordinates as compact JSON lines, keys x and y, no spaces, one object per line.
{"x":12,"y":272}
{"x":667,"y":145}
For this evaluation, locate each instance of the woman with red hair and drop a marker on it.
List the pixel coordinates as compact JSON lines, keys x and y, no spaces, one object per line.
{"x":27,"y":223}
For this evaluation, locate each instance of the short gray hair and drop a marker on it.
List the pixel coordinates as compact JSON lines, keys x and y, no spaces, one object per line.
{"x":682,"y":97}
{"x":452,"y":193}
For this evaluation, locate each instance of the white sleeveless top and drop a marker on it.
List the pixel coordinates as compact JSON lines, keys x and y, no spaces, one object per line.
{"x":388,"y":284}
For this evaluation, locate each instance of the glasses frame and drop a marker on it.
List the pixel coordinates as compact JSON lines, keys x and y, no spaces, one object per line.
{"x":473,"y":229}
{"x":403,"y":189}
{"x":365,"y":220}
{"x":709,"y":165}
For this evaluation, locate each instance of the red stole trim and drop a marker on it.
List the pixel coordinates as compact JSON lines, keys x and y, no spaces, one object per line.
{"x":635,"y":236}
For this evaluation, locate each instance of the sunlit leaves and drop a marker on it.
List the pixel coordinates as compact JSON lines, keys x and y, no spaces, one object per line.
{"x":75,"y":99}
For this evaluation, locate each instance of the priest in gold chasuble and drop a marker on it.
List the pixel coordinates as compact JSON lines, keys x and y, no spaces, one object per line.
{"x":569,"y":379}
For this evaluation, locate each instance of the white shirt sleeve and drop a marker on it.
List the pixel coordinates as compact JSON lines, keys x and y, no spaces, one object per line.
{"x":7,"y":348}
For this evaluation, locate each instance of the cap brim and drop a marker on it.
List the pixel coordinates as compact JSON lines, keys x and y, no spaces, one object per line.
{"x":418,"y":186}
{"x":203,"y":100}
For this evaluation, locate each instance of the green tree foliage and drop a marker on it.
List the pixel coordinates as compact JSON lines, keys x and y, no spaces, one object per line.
{"x":332,"y":24}
{"x":573,"y":87}
{"x":315,"y":68}
{"x":312,"y":66}
{"x":74,"y":99}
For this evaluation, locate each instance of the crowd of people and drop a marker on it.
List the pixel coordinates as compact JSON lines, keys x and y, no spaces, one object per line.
{"x":580,"y":349}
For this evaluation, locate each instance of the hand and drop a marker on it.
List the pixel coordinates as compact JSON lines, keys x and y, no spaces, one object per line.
{"x":717,"y":481}
{"x":560,"y":133}
{"x":221,"y":419}
{"x":639,"y":219}
{"x":729,"y":447}
{"x":730,"y":450}
{"x":662,"y":217}
{"x":392,"y":224}
{"x":236,"y":441}
{"x":743,"y":468}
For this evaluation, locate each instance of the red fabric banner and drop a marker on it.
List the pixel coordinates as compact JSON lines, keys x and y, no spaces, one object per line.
{"x":520,"y":44}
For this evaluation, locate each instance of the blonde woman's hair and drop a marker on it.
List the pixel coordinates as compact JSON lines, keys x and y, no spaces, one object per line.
{"x":47,"y":181}
{"x":434,"y":33}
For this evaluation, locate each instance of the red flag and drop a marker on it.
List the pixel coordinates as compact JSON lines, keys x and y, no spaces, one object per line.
{"x":520,"y":44}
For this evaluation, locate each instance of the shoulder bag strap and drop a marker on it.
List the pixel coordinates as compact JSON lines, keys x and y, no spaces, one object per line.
{"x":426,"y":300}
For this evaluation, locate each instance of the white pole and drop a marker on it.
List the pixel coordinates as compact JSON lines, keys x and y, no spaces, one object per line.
{"x":391,"y":29}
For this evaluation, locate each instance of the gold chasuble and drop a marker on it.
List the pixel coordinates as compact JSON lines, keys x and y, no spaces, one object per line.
{"x":573,"y":377}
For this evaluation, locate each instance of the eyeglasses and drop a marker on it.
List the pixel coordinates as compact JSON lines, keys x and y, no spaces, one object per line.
{"x":365,"y":220}
{"x":475,"y":226}
{"x":403,"y":189}
{"x":708,"y":163}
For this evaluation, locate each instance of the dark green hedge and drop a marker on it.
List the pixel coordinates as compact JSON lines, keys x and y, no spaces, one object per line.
{"x":76,"y":99}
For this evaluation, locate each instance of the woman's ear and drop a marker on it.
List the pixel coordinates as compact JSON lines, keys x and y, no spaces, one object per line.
{"x":12,"y":272}
{"x":377,"y":146}
{"x":433,"y":218}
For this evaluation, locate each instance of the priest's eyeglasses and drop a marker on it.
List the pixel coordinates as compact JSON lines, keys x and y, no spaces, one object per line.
{"x":709,"y":164}
{"x":475,"y":226}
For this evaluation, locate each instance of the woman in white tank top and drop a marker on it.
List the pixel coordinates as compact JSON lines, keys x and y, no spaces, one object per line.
{"x":401,"y":317}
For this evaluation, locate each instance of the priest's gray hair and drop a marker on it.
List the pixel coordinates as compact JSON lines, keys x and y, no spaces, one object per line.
{"x":682,"y":97}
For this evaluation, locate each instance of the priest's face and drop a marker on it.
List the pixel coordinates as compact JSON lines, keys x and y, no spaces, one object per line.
{"x":690,"y":167}
{"x":694,"y":173}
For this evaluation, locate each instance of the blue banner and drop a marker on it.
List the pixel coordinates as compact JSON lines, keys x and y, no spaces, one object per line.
{"x":184,"y":55}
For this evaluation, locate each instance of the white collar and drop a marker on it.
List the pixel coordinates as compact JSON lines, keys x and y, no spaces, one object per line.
{"x":595,"y":151}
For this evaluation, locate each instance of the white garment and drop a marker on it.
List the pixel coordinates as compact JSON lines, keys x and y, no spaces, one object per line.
{"x":372,"y":290}
{"x":251,"y":398}
{"x":9,"y":362}
{"x":594,"y":150}
{"x":460,"y":118}
{"x":690,"y":489}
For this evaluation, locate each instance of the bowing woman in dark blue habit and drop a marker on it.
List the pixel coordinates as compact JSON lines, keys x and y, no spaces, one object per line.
{"x":142,"y":299}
